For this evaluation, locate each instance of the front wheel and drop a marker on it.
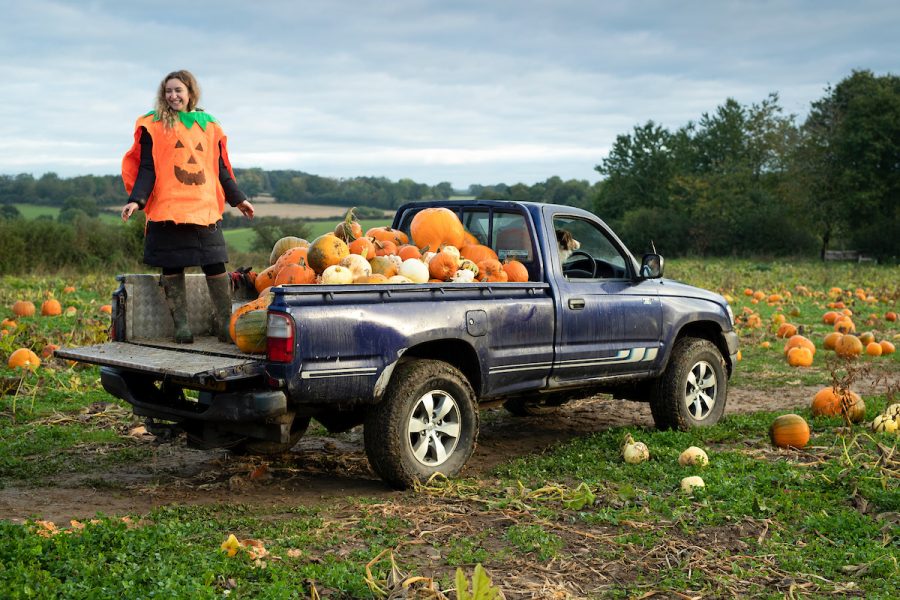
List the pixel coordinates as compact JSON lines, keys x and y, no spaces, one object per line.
{"x":693,"y":389}
{"x":427,"y":423}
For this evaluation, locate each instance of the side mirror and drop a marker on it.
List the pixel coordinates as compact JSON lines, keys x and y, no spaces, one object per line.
{"x":652,"y":266}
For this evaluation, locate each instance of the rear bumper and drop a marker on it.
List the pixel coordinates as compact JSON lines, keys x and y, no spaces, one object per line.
{"x":231,"y":407}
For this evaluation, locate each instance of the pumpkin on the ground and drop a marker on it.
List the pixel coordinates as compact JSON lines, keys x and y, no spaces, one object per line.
{"x":23,"y":358}
{"x":789,"y":431}
{"x":848,"y":346}
{"x":51,"y":308}
{"x":799,"y":356}
{"x":23,"y":308}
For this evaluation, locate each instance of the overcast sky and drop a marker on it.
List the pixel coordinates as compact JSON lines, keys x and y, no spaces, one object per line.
{"x":435,"y":90}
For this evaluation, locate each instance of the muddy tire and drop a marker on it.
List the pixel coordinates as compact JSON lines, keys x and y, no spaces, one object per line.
{"x":426,"y":423}
{"x":693,"y":389}
{"x":268,"y":448}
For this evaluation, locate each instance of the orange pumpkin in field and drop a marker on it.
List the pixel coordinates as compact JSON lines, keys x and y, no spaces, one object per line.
{"x":887,"y":347}
{"x":786,"y":330}
{"x":828,"y":403}
{"x":51,"y":308}
{"x":23,"y":358}
{"x":789,"y":431}
{"x":435,"y":227}
{"x":326,"y":250}
{"x":831,"y":340}
{"x":23,"y":308}
{"x":801,"y":341}
{"x":799,"y":356}
{"x":848,"y":346}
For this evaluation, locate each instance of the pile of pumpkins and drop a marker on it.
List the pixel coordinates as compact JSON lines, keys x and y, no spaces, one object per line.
{"x":438,"y":250}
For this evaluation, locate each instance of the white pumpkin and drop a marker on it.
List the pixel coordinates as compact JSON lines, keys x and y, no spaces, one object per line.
{"x":399,"y":279}
{"x":452,"y":250}
{"x":463,"y":276}
{"x":337,"y":275}
{"x":688,"y":484}
{"x":414,"y":270}
{"x":358,"y":265}
{"x":693,"y":456}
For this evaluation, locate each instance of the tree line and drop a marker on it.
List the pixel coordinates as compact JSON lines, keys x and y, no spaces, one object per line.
{"x":742,"y":179}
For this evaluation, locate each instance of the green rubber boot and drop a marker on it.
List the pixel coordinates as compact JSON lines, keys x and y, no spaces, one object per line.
{"x":220,"y":294}
{"x":176,"y":299}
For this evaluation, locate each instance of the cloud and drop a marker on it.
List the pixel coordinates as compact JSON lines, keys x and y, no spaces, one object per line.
{"x":468,"y":92}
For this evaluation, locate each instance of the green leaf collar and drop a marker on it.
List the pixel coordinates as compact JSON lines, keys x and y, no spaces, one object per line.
{"x":188,"y":119}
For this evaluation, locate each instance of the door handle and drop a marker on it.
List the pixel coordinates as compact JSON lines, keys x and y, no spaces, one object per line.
{"x":576,"y":303}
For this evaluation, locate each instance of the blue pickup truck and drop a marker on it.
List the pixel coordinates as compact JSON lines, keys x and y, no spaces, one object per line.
{"x":413,"y":363}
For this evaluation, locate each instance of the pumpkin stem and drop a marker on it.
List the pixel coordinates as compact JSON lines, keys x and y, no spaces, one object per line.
{"x":346,"y":226}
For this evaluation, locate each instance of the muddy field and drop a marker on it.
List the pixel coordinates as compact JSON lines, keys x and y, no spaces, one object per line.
{"x":322,"y":468}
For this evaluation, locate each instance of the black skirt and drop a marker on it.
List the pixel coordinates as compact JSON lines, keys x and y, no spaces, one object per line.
{"x":172,"y":245}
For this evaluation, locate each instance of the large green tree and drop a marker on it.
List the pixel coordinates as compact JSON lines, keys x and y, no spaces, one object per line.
{"x":849,"y":158}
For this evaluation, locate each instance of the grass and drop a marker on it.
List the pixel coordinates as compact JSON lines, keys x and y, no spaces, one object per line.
{"x":575,"y":518}
{"x":36,"y":211}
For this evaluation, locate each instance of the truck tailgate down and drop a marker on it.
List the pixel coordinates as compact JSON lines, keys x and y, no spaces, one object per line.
{"x":203,"y":361}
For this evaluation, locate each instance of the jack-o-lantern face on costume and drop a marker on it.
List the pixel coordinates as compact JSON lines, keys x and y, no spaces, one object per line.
{"x":188,"y":170}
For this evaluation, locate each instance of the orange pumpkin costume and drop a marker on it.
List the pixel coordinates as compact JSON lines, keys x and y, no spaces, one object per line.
{"x":186,"y":158}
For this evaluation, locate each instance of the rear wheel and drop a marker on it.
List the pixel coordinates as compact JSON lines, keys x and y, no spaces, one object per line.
{"x":427,"y":423}
{"x":693,"y":389}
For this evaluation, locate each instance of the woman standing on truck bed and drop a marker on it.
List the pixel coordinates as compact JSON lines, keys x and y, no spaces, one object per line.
{"x":178,"y":172}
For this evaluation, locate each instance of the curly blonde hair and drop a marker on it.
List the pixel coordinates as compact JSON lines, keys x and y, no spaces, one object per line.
{"x":162,"y":109}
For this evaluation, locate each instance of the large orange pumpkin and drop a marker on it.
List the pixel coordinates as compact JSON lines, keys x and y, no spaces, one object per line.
{"x":831,"y":340}
{"x":799,"y":356}
{"x":789,"y":431}
{"x":326,"y":250}
{"x":848,"y":346}
{"x":786,"y":330}
{"x":826,"y":403}
{"x":800,"y":341}
{"x":23,"y":358}
{"x":51,"y":308}
{"x":434,"y":227}
{"x":23,"y":308}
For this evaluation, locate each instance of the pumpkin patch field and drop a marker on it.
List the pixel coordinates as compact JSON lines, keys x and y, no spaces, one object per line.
{"x":795,"y":493}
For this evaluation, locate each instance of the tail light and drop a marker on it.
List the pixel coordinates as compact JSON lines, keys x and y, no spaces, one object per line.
{"x":280,"y":334}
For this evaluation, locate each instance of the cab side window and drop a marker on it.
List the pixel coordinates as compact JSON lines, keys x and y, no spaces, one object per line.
{"x":585,"y":252}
